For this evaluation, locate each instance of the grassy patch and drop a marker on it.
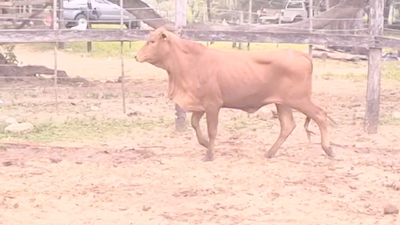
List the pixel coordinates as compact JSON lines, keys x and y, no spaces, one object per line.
{"x":112,"y":49}
{"x":348,"y":76}
{"x":87,"y":129}
{"x":389,"y":120}
{"x":245,"y":122}
{"x":255,"y":46}
{"x":391,"y":71}
{"x":99,"y":49}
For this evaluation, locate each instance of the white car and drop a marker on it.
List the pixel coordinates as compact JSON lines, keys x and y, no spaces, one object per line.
{"x":295,"y":10}
{"x":100,"y":12}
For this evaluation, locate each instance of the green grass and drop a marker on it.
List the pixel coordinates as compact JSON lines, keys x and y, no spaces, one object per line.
{"x":348,"y":76}
{"x":112,"y":49}
{"x":107,"y":26}
{"x":389,"y":120}
{"x":255,"y":46}
{"x":390,"y":72}
{"x":99,"y":49}
{"x":106,"y":49}
{"x":87,"y":129}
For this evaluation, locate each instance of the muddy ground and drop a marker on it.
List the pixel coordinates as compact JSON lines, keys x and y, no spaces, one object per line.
{"x":143,"y":172}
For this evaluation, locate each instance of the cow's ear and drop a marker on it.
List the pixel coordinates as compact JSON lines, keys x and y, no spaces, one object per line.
{"x":164,"y":35}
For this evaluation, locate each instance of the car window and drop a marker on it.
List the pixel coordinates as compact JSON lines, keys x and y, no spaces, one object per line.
{"x":295,"y":5}
{"x":102,"y":1}
{"x":77,"y":2}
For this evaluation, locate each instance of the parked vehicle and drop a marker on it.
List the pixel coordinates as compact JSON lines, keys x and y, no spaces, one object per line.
{"x":271,"y":16}
{"x":100,"y":12}
{"x":294,"y":11}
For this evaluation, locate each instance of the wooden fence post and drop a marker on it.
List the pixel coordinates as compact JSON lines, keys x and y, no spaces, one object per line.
{"x":55,"y":56}
{"x":88,"y":11}
{"x":371,"y":119}
{"x":180,"y":22}
{"x":310,"y":17}
{"x":250,"y":21}
{"x":250,"y":11}
{"x":61,"y":23}
{"x":121,"y":23}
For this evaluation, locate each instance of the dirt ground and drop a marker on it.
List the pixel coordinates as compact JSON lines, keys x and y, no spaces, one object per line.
{"x":153,"y":175}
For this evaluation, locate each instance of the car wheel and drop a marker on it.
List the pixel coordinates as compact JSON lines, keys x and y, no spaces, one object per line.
{"x":133,"y":25}
{"x":69,"y":25}
{"x":80,"y":17}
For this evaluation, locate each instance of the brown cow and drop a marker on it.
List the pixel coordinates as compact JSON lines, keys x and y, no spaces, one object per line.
{"x":204,"y":80}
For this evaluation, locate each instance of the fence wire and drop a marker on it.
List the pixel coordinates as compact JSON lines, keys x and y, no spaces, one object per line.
{"x":59,"y":86}
{"x":91,"y":17}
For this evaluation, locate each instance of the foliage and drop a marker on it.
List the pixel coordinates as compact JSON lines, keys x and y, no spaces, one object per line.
{"x":196,"y":10}
{"x":8,"y":53}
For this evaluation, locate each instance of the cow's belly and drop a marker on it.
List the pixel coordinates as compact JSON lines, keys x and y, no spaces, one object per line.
{"x":248,"y":85}
{"x":250,"y":95}
{"x":250,"y":104}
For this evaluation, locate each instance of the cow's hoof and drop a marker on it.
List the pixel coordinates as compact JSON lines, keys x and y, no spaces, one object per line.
{"x":269,"y":155}
{"x":329,"y":152}
{"x":208,"y":158}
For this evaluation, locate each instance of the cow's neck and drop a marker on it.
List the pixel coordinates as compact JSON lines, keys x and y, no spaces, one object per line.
{"x":183,"y":55}
{"x":182,"y":59}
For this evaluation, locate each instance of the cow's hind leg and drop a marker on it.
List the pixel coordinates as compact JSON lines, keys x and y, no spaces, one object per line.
{"x":309,"y":132}
{"x":212,"y":128}
{"x":196,"y":117}
{"x":321,"y":118}
{"x":285,"y":115}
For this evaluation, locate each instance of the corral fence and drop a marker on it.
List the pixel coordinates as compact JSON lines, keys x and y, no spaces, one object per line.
{"x":353,"y":33}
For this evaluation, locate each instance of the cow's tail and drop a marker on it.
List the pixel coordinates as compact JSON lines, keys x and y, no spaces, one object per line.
{"x":306,"y":55}
{"x":329,"y":117}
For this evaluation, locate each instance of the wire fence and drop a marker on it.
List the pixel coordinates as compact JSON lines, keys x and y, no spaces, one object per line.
{"x":17,"y":86}
{"x":89,"y":85}
{"x":69,"y":18}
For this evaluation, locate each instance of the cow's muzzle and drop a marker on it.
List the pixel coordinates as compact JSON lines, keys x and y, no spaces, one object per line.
{"x":134,"y":55}
{"x":138,"y":58}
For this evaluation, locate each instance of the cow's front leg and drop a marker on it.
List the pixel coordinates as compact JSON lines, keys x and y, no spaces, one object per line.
{"x":212,"y":127}
{"x":196,"y":117}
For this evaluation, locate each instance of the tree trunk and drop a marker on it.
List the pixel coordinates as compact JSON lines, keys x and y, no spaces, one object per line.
{"x":143,"y":12}
{"x":209,"y":10}
{"x":332,"y":3}
{"x":359,"y":24}
{"x":345,"y":9}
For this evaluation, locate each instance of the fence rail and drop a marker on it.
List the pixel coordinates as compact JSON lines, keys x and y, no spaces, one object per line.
{"x":302,"y":33}
{"x":109,"y":35}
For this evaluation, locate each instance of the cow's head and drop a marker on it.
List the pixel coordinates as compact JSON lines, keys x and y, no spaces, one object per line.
{"x":156,"y":47}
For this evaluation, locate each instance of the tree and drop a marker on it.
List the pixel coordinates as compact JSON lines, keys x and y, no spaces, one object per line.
{"x":344,"y":9}
{"x":142,"y":11}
